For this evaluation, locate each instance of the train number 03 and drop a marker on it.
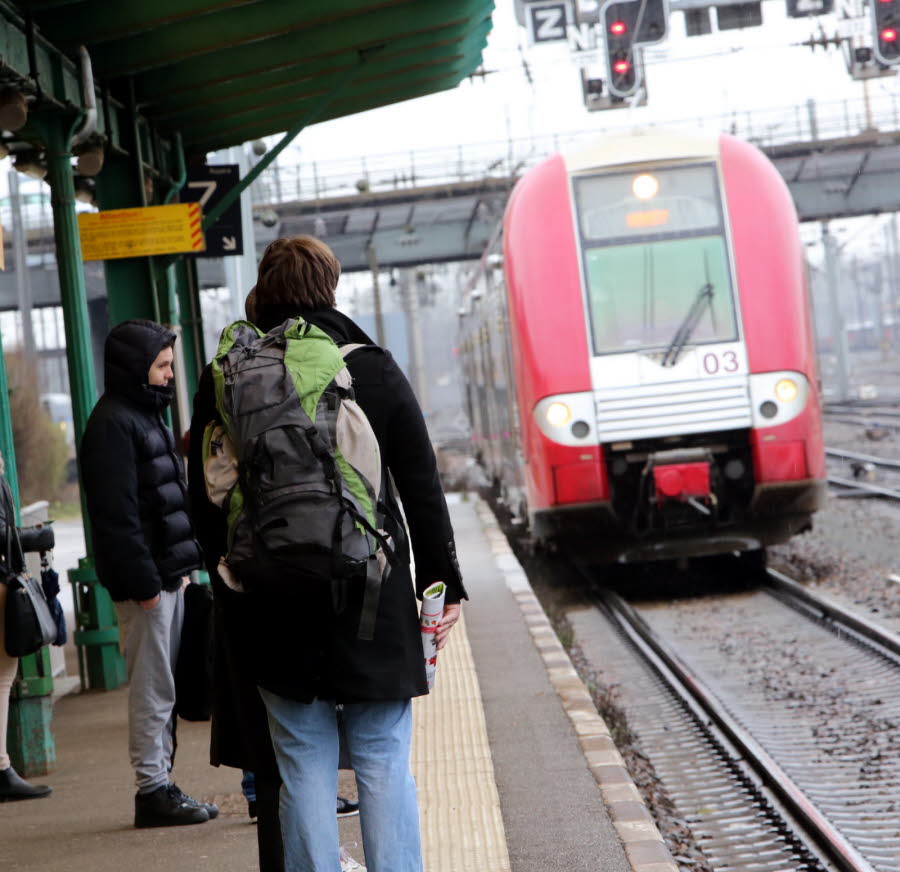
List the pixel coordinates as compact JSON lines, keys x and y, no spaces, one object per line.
{"x":726,"y":361}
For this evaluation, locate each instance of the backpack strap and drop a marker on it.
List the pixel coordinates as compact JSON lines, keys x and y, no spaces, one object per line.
{"x":350,"y":347}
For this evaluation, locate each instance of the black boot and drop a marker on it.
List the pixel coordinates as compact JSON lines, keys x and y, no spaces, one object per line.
{"x":13,"y":788}
{"x":167,"y":807}
{"x":211,"y":808}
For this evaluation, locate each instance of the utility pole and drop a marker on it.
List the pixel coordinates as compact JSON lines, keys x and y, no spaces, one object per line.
{"x":414,"y":332}
{"x":838,"y":334}
{"x":890,"y":235}
{"x":20,"y":255}
{"x":372,"y":257}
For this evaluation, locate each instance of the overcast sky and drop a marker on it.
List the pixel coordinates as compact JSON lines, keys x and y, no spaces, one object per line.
{"x":711,"y":75}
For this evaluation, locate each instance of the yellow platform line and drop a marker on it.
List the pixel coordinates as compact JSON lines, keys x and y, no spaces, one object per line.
{"x":462,"y":828}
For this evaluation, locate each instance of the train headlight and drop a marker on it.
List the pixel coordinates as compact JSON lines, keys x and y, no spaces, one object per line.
{"x":645,"y":186}
{"x":558,"y":414}
{"x":786,"y":390}
{"x":568,"y":419}
{"x":777,"y":397}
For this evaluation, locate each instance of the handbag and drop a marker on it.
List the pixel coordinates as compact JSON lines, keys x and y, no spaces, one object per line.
{"x":28,"y":624}
{"x":194,"y":667}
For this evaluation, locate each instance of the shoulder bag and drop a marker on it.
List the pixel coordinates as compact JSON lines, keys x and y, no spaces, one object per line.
{"x":28,"y":623}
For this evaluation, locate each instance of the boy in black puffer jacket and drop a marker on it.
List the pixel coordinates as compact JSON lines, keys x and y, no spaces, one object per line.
{"x":144,"y":547}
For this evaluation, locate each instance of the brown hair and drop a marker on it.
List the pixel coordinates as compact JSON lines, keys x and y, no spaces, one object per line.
{"x":300,"y":270}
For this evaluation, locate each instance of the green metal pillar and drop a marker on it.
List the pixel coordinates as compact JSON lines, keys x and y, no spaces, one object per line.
{"x":96,"y":634}
{"x":6,"y":432}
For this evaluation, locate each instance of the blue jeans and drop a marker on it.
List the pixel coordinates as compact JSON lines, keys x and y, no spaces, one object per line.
{"x":248,"y":785}
{"x":305,"y":737}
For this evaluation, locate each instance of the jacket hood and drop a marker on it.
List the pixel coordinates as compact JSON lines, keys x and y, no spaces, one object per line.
{"x":130,"y":349}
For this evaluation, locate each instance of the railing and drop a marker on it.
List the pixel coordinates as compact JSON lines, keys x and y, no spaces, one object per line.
{"x":505,"y":159}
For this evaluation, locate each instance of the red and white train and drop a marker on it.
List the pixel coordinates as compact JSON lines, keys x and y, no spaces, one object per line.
{"x":638,"y":352}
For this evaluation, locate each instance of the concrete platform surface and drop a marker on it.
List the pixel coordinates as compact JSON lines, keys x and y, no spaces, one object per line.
{"x":506,"y":781}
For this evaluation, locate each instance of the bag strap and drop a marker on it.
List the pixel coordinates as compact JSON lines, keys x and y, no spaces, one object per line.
{"x":350,"y":347}
{"x":11,"y":552}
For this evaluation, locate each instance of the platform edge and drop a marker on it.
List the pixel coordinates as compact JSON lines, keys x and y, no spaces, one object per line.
{"x":641,"y":840}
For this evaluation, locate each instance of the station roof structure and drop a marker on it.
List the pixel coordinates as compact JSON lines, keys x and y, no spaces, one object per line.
{"x":221,"y":72}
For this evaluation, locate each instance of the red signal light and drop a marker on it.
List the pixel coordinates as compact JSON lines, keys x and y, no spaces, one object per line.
{"x":617,"y":28}
{"x":621,"y":67}
{"x":888,"y":34}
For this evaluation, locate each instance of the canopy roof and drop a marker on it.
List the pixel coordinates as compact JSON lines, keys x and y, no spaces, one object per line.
{"x":224,"y":71}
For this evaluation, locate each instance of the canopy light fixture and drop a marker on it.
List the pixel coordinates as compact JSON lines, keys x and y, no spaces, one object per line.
{"x":13,"y":110}
{"x":31,"y":163}
{"x":90,"y":159}
{"x":85,"y":190}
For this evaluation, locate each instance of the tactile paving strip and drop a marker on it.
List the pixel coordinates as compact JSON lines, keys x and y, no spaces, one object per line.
{"x":461,"y":823}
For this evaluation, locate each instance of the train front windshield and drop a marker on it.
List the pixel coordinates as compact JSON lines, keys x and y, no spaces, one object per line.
{"x":655,"y":259}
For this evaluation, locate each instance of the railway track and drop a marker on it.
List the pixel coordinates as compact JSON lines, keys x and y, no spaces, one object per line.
{"x":856,"y":487}
{"x":863,"y":414}
{"x":770,"y":774}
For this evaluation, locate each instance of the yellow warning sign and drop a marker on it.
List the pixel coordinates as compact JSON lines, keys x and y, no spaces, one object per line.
{"x":140,"y":232}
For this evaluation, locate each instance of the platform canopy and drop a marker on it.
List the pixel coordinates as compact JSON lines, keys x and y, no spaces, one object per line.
{"x":225,"y":71}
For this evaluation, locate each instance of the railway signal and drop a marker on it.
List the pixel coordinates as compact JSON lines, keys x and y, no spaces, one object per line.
{"x":886,"y":30}
{"x":627,"y":25}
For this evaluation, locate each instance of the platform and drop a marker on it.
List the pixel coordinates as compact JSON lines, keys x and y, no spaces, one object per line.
{"x":516,"y":771}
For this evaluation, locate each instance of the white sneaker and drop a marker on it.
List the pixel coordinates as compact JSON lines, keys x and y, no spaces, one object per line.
{"x":348,"y":864}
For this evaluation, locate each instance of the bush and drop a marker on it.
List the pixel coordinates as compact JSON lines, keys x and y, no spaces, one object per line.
{"x":40,"y":444}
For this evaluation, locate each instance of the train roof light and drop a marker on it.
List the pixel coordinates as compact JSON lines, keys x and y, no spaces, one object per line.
{"x":645,"y":186}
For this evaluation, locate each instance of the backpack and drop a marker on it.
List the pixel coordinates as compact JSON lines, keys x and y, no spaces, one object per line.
{"x":295,"y":465}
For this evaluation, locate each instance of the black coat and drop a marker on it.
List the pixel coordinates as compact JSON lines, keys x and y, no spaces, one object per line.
{"x":133,"y":477}
{"x":299,"y":648}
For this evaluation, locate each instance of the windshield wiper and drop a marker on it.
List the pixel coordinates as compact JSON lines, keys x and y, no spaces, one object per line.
{"x":691,"y":320}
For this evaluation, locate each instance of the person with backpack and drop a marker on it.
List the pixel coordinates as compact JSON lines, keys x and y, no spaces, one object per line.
{"x":318,"y":603}
{"x":144,"y":548}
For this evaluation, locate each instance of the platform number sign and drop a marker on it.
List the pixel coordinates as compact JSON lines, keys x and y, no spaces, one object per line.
{"x":547,"y":21}
{"x":207,"y":185}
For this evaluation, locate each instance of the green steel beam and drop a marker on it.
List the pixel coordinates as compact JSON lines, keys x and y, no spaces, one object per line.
{"x":302,"y":75}
{"x":274,"y":89}
{"x":231,"y":28}
{"x":261,"y":104}
{"x":95,"y":21}
{"x":312,"y":45}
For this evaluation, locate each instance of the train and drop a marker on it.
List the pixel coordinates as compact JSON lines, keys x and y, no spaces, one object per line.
{"x":638,"y":354}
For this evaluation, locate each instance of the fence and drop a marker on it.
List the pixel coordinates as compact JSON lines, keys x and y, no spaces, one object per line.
{"x":507,"y":158}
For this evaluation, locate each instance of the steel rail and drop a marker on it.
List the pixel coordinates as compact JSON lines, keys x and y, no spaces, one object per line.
{"x":840,"y":454}
{"x":867,"y":413}
{"x":791,"y":592}
{"x":816,"y":826}
{"x":863,"y":487}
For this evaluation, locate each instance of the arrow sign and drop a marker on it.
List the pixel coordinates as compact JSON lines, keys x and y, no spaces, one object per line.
{"x":207,"y":185}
